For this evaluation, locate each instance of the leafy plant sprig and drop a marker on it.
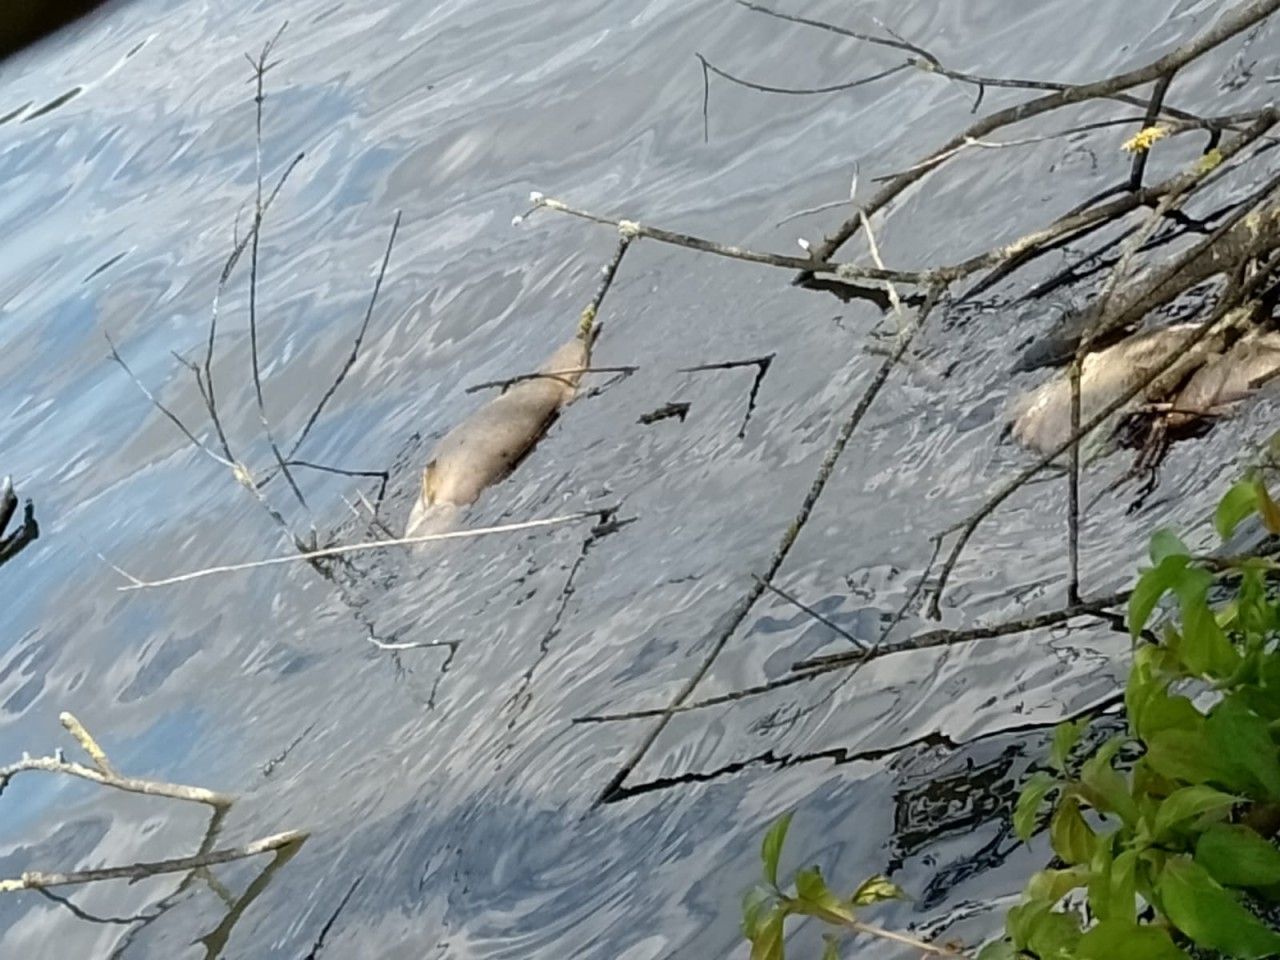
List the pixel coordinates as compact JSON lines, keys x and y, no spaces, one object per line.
{"x":766,"y":905}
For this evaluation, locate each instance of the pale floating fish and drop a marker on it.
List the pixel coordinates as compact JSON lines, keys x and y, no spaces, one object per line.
{"x":1228,"y":378}
{"x":486,"y":447}
{"x":1214,"y":380}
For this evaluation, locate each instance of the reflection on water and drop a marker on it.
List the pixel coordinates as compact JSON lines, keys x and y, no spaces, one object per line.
{"x":470,"y":834}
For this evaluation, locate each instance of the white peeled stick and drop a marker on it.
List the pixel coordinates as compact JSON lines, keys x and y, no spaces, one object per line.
{"x":488,"y":445}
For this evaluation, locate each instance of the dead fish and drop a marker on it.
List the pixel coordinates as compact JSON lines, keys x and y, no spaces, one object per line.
{"x":1212,"y":378}
{"x":1042,"y":417}
{"x":1227,"y":378}
{"x":486,"y":447}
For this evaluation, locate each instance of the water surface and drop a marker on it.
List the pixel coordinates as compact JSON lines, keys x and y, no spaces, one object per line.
{"x":463,"y":802}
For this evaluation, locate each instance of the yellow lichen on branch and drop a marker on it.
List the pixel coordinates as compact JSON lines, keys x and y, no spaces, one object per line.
{"x":1141,"y":141}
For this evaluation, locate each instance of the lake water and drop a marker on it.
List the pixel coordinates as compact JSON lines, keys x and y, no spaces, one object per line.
{"x":463,"y":801}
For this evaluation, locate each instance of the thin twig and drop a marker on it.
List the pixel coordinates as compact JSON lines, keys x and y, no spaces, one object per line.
{"x":260,"y":68}
{"x":838,"y":756}
{"x":762,"y":368}
{"x":135,"y":583}
{"x":383,"y":477}
{"x":799,"y":91}
{"x":520,"y":701}
{"x":451,"y":645}
{"x":153,"y":788}
{"x":87,"y":743}
{"x":81,"y":914}
{"x":1139,"y":163}
{"x":935,"y":638}
{"x":819,"y":262}
{"x":845,"y":271}
{"x":316,"y":947}
{"x":730,"y":622}
{"x":822,"y":207}
{"x":173,"y":417}
{"x":1099,"y":328}
{"x":812,"y":668}
{"x":506,"y":382}
{"x":239,"y":244}
{"x":825,"y":621}
{"x":894,"y":936}
{"x":1073,"y":484}
{"x":912,"y":595}
{"x":355,"y":347}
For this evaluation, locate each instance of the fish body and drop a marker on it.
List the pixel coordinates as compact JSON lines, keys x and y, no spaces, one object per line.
{"x":1209,"y":379}
{"x":486,"y":446}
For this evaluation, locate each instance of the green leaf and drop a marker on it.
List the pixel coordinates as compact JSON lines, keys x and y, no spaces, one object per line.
{"x":767,"y":943}
{"x":1027,"y":808}
{"x":1151,"y":586}
{"x":1052,"y":885}
{"x":1034,"y":926}
{"x":1100,"y":901}
{"x":1124,"y":884}
{"x":1270,"y":674}
{"x":1166,"y":543}
{"x":1205,"y":647}
{"x":755,"y":905}
{"x":1267,"y":508}
{"x":1054,"y":935}
{"x":1127,"y":940}
{"x":832,"y":950}
{"x":1065,"y":736}
{"x":1188,"y":802}
{"x":1072,"y":839}
{"x":1146,"y":699}
{"x":877,"y":889}
{"x":1237,"y":856}
{"x":1236,"y":504}
{"x":1020,"y":921}
{"x":1243,"y":740}
{"x":771,"y":848}
{"x":1105,"y":789}
{"x":1112,"y":882}
{"x":1186,"y":755}
{"x":1253,"y":612}
{"x":1164,"y":712}
{"x":1199,"y":907}
{"x":814,"y":898}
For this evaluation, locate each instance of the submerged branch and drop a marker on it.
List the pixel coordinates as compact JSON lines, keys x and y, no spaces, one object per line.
{"x":140,"y":871}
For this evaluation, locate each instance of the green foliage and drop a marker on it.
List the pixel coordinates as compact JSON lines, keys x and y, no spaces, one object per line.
{"x":766,"y":906}
{"x":1171,"y":832}
{"x":1163,"y":850}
